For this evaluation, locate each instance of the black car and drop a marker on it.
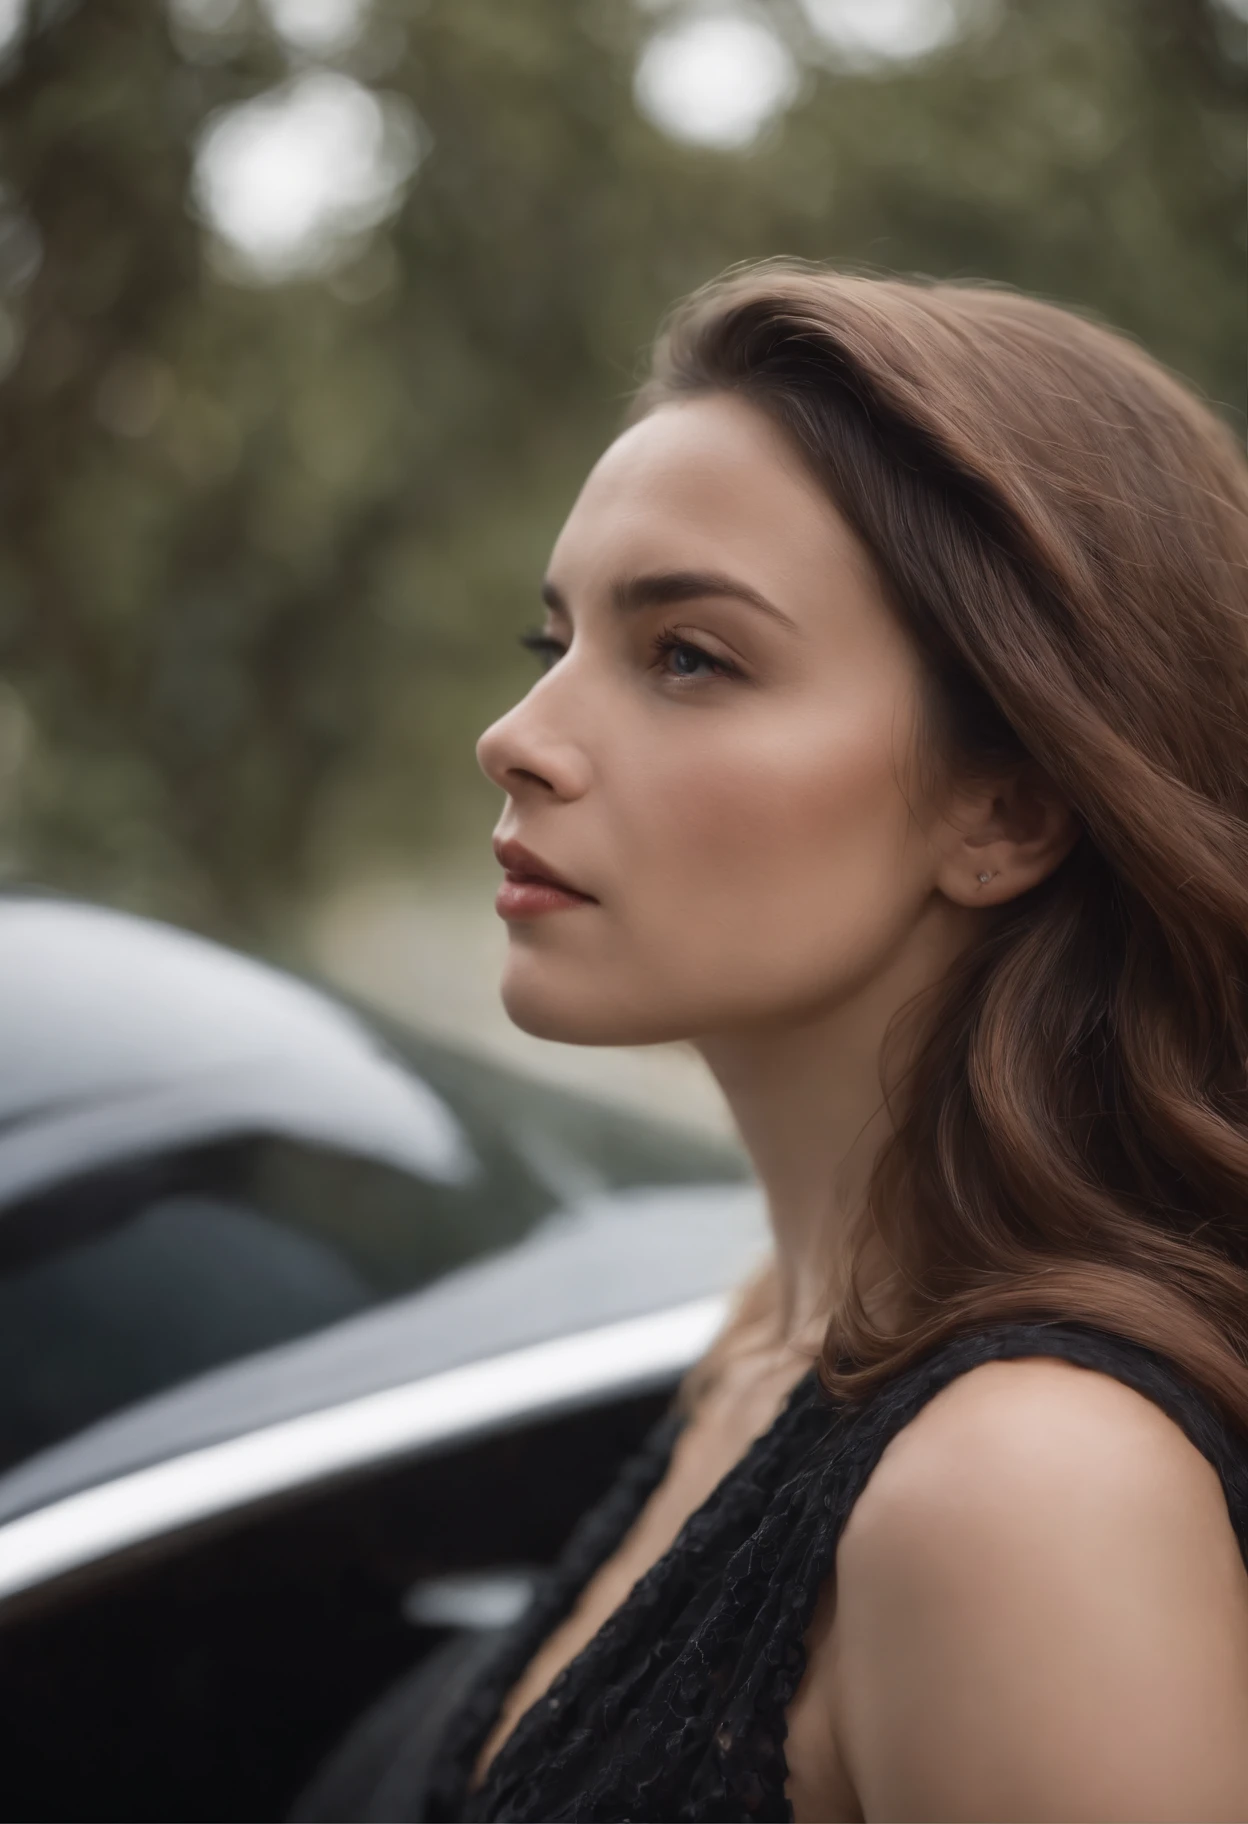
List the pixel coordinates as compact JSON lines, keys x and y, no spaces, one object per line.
{"x":315,"y":1339}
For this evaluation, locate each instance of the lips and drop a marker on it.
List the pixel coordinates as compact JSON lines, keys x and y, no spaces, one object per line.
{"x":532,"y":887}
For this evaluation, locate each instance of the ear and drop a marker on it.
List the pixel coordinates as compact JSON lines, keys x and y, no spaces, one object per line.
{"x":1003,"y":835}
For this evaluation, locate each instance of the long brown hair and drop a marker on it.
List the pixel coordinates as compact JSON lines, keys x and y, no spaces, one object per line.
{"x":1063,"y":527}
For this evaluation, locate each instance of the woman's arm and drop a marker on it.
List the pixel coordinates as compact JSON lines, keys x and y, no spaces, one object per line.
{"x":1041,"y":1613}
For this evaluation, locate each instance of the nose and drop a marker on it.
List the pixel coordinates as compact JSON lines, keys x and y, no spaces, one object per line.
{"x":525,"y":753}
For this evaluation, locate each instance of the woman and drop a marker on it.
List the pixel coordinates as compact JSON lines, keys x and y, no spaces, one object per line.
{"x":892,"y":749}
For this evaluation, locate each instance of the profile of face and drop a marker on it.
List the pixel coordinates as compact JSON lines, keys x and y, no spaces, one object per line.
{"x":723,"y":757}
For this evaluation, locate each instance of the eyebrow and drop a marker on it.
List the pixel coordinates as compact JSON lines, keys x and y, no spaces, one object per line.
{"x":662,"y":588}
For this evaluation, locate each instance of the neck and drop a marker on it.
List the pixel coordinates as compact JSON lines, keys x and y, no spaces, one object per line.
{"x":809,"y":1102}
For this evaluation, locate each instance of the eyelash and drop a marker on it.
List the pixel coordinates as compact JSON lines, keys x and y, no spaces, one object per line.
{"x":550,"y":650}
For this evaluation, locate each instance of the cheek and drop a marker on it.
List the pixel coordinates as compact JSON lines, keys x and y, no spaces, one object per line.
{"x":781,"y":856}
{"x":758,"y":861}
{"x":790,"y":815}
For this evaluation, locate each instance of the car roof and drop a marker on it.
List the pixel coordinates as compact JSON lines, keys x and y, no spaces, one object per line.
{"x":127,"y":1036}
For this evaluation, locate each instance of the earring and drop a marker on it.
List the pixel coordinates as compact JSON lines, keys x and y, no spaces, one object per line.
{"x":983,"y":879}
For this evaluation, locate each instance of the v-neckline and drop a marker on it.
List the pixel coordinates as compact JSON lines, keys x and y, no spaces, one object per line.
{"x":573,"y":1671}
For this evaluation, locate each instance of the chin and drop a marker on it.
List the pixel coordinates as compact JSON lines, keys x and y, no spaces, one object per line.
{"x":572,"y":1016}
{"x":567,"y":1021}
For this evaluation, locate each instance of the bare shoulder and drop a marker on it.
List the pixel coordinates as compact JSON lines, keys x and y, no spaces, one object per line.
{"x":1042,"y":1610}
{"x":1031,"y":1441}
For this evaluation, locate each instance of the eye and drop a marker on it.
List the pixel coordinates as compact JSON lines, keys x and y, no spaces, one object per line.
{"x":546,"y":647}
{"x":682,"y":659}
{"x":675,"y":657}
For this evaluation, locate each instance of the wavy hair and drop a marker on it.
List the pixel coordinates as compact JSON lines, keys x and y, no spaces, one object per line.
{"x":1063,"y":528}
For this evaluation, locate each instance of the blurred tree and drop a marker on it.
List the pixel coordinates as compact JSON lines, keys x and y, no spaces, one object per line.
{"x":264,"y":546}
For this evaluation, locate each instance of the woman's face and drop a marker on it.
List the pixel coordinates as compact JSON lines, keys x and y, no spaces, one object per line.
{"x":720,"y":756}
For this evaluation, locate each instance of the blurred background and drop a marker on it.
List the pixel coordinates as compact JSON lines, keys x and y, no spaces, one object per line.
{"x":313,"y":313}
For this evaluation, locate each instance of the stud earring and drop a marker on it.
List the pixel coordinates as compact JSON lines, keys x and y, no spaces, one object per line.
{"x":983,"y":879}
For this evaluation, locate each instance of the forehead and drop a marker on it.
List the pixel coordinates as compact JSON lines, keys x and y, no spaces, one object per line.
{"x":708,"y":483}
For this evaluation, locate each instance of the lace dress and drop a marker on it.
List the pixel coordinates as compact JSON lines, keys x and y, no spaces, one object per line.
{"x":676,"y":1708}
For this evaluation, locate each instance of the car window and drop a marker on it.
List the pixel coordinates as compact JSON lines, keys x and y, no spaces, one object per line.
{"x":126,"y":1283}
{"x":120,"y":1284}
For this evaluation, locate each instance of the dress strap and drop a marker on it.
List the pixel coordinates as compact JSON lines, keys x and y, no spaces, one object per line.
{"x":887,"y":1411}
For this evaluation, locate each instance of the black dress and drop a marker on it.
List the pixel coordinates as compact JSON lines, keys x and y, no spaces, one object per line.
{"x":676,"y":1708}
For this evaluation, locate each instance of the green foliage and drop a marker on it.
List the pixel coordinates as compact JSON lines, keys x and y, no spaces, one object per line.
{"x":264,"y":550}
